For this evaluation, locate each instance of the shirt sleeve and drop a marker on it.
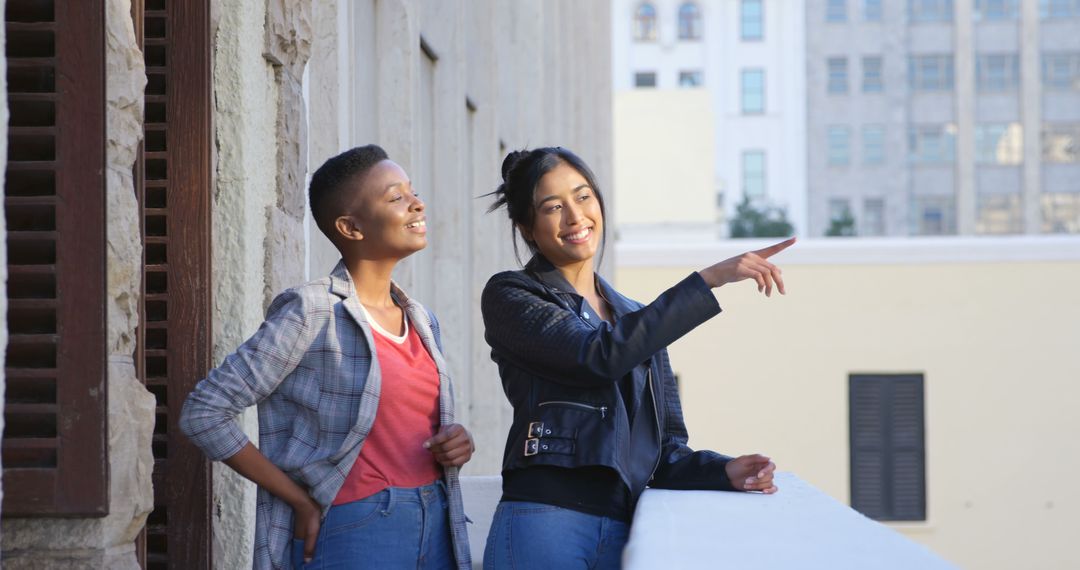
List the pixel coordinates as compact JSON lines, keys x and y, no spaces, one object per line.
{"x":246,"y":377}
{"x":537,"y":333}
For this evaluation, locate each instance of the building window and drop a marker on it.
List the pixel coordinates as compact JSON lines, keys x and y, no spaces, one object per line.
{"x":689,"y":21}
{"x":888,"y":446}
{"x":930,"y":72}
{"x":1061,"y":212}
{"x":995,"y":10}
{"x":753,"y":91}
{"x":837,"y":81}
{"x":1001,"y":144}
{"x":645,"y":23}
{"x":1059,"y":9}
{"x":871,"y":75}
{"x":841,"y":222}
{"x":872,"y":10}
{"x":752,"y":18}
{"x":1061,"y":143}
{"x":995,"y":73}
{"x":645,"y":79}
{"x":873,"y":144}
{"x":1061,"y":71}
{"x":873,"y":220}
{"x":930,"y":10}
{"x":932,"y":144}
{"x":998,"y":214}
{"x":934,"y":215}
{"x":838,"y":145}
{"x":836,"y":11}
{"x":753,"y":171}
{"x":691,"y":79}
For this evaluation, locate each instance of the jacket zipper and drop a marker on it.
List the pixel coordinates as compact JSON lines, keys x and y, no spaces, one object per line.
{"x":656,"y":414}
{"x":602,"y":410}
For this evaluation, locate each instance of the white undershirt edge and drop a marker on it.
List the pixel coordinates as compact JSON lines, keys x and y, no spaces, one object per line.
{"x":375,"y":326}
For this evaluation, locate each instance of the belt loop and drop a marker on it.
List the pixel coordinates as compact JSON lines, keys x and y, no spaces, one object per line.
{"x":389,"y":501}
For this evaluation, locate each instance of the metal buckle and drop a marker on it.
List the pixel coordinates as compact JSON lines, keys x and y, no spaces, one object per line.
{"x":536,"y":429}
{"x":532,"y":446}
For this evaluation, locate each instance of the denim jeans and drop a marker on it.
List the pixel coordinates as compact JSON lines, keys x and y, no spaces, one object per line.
{"x":395,"y":528}
{"x":527,"y":536}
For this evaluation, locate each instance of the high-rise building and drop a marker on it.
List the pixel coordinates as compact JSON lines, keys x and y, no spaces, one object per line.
{"x":931,"y":117}
{"x":749,"y":56}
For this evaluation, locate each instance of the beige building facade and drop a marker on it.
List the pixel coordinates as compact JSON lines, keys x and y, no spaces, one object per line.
{"x":989,"y":324}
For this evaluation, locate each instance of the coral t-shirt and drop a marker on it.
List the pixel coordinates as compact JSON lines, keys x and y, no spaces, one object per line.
{"x":393,"y":454}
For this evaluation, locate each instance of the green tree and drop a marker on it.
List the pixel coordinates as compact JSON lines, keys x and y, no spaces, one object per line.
{"x":844,"y":226}
{"x":768,"y":221}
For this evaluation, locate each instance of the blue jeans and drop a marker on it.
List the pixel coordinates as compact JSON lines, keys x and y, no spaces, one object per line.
{"x":394,"y":528}
{"x":527,"y":536}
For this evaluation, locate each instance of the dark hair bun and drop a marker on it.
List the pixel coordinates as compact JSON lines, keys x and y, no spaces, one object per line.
{"x":511,"y":160}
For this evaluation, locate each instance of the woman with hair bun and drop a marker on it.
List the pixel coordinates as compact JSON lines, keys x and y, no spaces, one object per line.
{"x":597,"y":416}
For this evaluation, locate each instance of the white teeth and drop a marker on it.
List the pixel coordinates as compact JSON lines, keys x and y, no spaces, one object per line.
{"x":419,"y":224}
{"x":578,"y":236}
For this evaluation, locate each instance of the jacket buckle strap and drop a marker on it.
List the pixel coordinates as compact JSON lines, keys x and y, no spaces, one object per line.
{"x":532,"y":446}
{"x":536,"y":429}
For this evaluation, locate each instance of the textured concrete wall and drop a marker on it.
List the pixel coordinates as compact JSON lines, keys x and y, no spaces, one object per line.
{"x":109,"y":542}
{"x":533,"y":74}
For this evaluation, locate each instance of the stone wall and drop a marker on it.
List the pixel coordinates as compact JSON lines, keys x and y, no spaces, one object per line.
{"x":260,"y":51}
{"x":109,"y":542}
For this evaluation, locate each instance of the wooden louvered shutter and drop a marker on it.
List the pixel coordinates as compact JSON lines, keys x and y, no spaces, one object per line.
{"x":54,"y":447}
{"x":174,"y":347}
{"x":173,"y":180}
{"x":888,"y":457}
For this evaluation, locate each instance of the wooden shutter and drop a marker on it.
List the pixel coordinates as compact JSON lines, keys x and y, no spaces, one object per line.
{"x":173,"y":182}
{"x":888,"y":458}
{"x":54,"y":447}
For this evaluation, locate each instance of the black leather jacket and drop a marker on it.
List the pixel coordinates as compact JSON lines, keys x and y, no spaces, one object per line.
{"x":560,"y":365}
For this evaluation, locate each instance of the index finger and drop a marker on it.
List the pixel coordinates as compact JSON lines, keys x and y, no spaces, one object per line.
{"x":775,"y":249}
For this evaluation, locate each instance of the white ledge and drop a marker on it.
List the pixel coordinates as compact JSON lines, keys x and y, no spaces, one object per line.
{"x":845,"y":251}
{"x":799,"y":527}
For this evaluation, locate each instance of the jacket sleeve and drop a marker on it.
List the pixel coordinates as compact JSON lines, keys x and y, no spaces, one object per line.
{"x":246,"y":377}
{"x":681,"y":467}
{"x":539,"y":334}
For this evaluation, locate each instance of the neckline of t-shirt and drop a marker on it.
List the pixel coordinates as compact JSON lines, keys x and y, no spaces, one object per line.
{"x":375,"y":326}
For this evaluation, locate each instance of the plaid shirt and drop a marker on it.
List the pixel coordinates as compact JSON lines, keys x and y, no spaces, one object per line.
{"x":310,"y":368}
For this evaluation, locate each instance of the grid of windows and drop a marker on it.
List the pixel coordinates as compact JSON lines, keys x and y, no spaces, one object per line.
{"x":999,"y":143}
{"x":645,"y":23}
{"x":930,"y":72}
{"x":1061,"y":71}
{"x":873,"y":144}
{"x":838,"y":145}
{"x":933,"y":215}
{"x":689,"y":21}
{"x":932,"y":144}
{"x":872,"y":10}
{"x":998,"y":214}
{"x":645,"y":79}
{"x":693,"y":78}
{"x":836,"y":11}
{"x":1059,"y":9}
{"x":873,"y":219}
{"x":996,"y":10}
{"x":838,"y":75}
{"x":1061,"y":143}
{"x":753,"y":91}
{"x":872,"y":81}
{"x":752,"y":20}
{"x":998,"y":72}
{"x":753,"y":170}
{"x":930,"y":10}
